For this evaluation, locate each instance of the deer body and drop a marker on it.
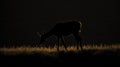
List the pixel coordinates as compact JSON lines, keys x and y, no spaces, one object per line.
{"x":64,"y":29}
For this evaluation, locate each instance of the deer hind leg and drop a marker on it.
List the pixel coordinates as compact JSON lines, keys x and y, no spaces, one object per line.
{"x":62,"y":39}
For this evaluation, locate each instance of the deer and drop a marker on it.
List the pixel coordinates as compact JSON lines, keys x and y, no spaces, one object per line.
{"x":63,"y":29}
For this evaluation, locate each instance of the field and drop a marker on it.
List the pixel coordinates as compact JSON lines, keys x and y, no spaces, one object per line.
{"x":48,"y":55}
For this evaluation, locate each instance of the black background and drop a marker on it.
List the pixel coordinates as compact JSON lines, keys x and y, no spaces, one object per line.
{"x":20,"y":19}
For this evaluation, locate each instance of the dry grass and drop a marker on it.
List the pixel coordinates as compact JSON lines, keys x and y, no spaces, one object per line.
{"x":50,"y":51}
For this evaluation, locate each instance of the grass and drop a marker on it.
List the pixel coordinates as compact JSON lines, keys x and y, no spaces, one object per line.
{"x":107,"y":54}
{"x":53,"y":51}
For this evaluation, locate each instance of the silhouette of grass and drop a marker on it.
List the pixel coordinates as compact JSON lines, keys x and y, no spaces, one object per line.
{"x":53,"y":51}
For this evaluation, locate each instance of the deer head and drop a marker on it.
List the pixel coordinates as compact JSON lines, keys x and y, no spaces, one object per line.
{"x":80,"y":26}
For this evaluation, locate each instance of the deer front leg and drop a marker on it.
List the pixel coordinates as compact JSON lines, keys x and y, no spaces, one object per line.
{"x":62,"y":39}
{"x":58,"y":44}
{"x":79,"y":41}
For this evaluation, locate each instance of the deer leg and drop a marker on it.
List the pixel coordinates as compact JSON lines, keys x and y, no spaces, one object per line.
{"x":79,"y":40}
{"x":80,"y":43}
{"x":58,"y":44}
{"x":62,"y":39}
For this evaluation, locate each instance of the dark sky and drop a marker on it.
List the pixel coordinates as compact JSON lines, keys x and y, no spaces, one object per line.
{"x":19,"y":19}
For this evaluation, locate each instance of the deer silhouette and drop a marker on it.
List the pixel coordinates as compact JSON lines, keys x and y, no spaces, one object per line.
{"x":63,"y":29}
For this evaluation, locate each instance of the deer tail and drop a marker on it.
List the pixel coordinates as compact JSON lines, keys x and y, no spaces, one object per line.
{"x":38,"y":34}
